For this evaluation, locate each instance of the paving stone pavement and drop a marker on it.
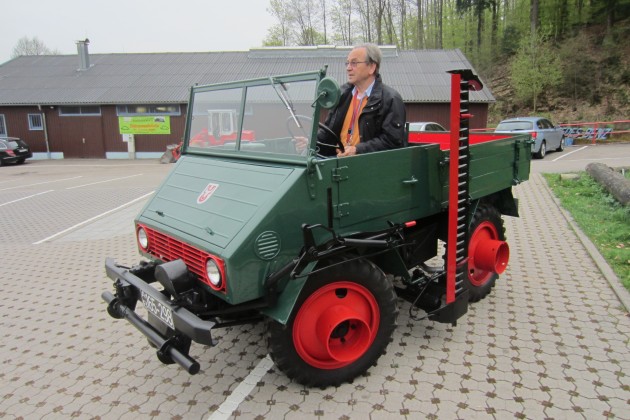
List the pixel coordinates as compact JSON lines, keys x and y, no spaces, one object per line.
{"x":551,"y":341}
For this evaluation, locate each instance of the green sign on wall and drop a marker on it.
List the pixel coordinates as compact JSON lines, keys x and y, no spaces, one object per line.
{"x":145,"y":125}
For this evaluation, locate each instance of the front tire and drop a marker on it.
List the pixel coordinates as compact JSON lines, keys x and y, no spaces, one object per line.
{"x":340,"y":325}
{"x":561,"y":146}
{"x":486,"y":223}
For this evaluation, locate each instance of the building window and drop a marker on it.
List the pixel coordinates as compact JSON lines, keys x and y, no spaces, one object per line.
{"x":3,"y":126}
{"x":132,"y":110}
{"x":35,"y":122}
{"x":83,"y":110}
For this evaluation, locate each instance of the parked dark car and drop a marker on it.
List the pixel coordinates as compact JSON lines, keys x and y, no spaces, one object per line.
{"x":425,"y":126}
{"x":13,"y":150}
{"x":545,"y":134}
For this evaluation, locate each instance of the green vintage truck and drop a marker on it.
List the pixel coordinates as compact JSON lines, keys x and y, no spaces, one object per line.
{"x":248,"y":227}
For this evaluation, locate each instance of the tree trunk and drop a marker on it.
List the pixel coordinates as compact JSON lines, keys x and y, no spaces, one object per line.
{"x":389,"y":24}
{"x":611,"y":6}
{"x":614,"y":182}
{"x":533,"y":17}
{"x":438,"y":23}
{"x":419,"y":27}
{"x":495,"y":26}
{"x":403,"y":21}
{"x":368,"y":20}
{"x":480,"y":11}
{"x":324,"y":21}
{"x":379,"y":21}
{"x":564,"y":17}
{"x":350,"y":25}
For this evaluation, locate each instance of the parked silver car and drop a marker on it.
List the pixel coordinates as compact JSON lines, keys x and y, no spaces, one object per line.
{"x":545,"y":134}
{"x":425,"y":126}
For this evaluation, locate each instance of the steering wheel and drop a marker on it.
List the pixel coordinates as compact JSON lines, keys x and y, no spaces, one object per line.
{"x":327,"y":129}
{"x":338,"y":141}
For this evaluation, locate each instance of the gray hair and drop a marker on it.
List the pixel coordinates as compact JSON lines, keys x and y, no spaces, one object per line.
{"x":373,"y":54}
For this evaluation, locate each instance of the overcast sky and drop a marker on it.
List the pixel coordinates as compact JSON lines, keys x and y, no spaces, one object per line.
{"x":128,"y":26}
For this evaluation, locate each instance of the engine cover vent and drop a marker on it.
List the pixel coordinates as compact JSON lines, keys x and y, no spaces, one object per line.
{"x":268,"y":245}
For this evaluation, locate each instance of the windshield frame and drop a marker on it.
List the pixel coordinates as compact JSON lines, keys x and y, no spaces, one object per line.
{"x":273,"y":81}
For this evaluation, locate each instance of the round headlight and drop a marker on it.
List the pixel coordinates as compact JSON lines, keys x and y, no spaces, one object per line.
{"x":143,"y":239}
{"x":214,"y":273}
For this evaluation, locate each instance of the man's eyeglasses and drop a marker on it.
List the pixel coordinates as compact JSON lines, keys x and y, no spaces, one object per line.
{"x":353,"y":64}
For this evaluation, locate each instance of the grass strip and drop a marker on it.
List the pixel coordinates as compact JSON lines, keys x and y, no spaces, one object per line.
{"x":602,"y":218}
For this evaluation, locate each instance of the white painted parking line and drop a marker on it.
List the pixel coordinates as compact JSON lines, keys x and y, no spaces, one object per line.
{"x":242,"y":390}
{"x":102,"y":182}
{"x":570,"y":153}
{"x":599,"y":159}
{"x":92,"y":219}
{"x":24,"y":198}
{"x":41,"y":183}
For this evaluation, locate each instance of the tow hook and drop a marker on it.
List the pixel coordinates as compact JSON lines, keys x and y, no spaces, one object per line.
{"x":113,"y":309}
{"x":124,"y":296}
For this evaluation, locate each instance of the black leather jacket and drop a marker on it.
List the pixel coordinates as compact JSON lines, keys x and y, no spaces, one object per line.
{"x":381,"y":123}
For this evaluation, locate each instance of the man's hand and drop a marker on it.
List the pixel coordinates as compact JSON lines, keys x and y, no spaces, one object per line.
{"x":301,"y":143}
{"x":350,"y":151}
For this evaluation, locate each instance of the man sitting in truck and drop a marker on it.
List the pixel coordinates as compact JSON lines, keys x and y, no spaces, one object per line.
{"x":370,"y":115}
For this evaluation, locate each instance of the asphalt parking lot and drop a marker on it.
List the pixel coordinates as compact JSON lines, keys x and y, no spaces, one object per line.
{"x":575,"y":158}
{"x":551,"y":341}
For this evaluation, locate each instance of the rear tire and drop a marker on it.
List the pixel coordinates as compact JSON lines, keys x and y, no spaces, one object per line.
{"x":486,"y":223}
{"x":543,"y":151}
{"x":341,"y":324}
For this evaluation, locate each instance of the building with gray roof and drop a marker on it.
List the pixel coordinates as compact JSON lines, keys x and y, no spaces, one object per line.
{"x":69,"y":105}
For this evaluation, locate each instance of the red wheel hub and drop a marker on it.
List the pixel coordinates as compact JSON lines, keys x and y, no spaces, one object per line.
{"x":487,"y":254}
{"x":336,"y":325}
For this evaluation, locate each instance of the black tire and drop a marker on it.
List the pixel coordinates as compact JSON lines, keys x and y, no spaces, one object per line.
{"x":485,"y":223}
{"x":542,"y":152}
{"x":561,"y":147}
{"x":21,"y":161}
{"x":341,"y":324}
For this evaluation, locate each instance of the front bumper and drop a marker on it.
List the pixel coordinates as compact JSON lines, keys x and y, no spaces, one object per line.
{"x":173,"y":334}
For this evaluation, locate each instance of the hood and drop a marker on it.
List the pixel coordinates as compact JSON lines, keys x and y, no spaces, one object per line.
{"x":213,"y":201}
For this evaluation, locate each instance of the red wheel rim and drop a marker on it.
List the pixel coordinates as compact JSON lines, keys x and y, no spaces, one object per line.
{"x":476,"y":275}
{"x":336,"y":325}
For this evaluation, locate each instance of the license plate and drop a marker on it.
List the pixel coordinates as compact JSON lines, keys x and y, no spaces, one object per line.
{"x":157,"y":308}
{"x":21,"y":150}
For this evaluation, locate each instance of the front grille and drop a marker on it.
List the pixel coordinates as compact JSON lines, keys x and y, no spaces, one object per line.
{"x":168,"y":249}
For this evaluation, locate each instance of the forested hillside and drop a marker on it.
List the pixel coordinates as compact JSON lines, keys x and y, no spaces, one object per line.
{"x":569,"y":59}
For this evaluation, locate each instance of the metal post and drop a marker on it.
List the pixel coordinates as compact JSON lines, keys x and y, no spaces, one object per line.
{"x":131,"y":146}
{"x":39,"y":107}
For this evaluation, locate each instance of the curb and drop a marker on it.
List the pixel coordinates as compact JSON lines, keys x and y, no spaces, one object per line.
{"x":613,"y":281}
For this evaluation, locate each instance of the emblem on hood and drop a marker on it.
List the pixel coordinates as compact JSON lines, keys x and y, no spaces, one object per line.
{"x":207,"y":193}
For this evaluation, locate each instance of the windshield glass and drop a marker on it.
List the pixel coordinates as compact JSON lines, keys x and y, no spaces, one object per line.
{"x":261,"y":117}
{"x":514,"y":126}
